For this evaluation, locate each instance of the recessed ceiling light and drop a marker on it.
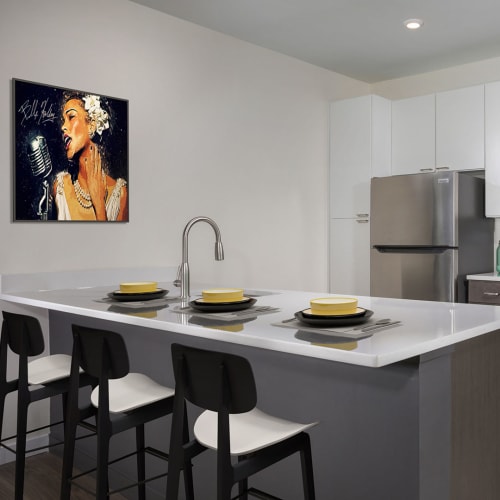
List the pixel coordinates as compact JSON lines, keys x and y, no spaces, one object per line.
{"x":413,"y":24}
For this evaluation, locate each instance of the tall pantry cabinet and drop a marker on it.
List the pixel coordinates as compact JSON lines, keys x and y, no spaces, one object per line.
{"x":360,"y":148}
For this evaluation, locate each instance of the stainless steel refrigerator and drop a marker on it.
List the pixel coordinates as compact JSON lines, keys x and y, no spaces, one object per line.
{"x":427,"y":232}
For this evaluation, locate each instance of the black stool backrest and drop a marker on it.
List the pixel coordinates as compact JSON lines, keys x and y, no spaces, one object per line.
{"x":214,"y":380}
{"x":20,"y":331}
{"x":101,"y":348}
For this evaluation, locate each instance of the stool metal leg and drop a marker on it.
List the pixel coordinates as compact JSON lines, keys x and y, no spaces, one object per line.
{"x":224,"y":490}
{"x":242,"y":485}
{"x":141,"y":461}
{"x":188,"y":470}
{"x":103,"y":438}
{"x":68,"y":456}
{"x":179,"y":459}
{"x":188,"y":481}
{"x":22,"y":422}
{"x":224,"y":473}
{"x":307,"y":469}
{"x":2,"y":405}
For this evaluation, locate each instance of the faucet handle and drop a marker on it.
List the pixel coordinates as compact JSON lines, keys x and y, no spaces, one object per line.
{"x":177,"y":281}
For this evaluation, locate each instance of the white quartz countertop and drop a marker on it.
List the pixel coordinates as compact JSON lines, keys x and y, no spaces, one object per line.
{"x":425,"y":326}
{"x":484,"y":277}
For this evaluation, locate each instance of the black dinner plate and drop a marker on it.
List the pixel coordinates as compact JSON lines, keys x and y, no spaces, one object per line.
{"x":135,"y":297}
{"x":361,"y":312}
{"x":332,"y":321}
{"x":222,"y":306}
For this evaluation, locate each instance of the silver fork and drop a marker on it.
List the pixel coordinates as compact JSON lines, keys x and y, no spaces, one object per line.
{"x":373,"y":328}
{"x":377,"y":323}
{"x":384,"y":321}
{"x":255,"y":309}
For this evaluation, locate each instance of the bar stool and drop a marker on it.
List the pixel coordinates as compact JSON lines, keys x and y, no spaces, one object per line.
{"x":23,"y":336}
{"x":223,"y":384}
{"x":121,"y":401}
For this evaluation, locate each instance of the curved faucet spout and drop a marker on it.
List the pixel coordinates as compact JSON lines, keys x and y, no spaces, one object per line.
{"x":183,"y":276}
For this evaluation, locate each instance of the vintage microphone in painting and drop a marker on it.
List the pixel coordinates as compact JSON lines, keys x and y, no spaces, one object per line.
{"x":41,"y":167}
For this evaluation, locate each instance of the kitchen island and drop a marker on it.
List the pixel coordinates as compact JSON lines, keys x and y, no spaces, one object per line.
{"x":392,"y":406}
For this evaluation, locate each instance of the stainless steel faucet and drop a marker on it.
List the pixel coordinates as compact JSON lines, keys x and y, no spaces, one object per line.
{"x":183,"y":273}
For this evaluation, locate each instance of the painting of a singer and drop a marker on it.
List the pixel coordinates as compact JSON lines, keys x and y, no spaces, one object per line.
{"x":71,"y":155}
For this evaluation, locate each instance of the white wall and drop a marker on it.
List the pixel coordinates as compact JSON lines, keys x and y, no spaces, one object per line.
{"x":218,"y":127}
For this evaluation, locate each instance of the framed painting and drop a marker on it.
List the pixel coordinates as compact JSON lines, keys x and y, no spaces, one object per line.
{"x":70,"y":155}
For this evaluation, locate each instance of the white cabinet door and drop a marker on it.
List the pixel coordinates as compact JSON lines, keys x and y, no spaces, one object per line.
{"x":492,"y":149}
{"x":350,"y":256}
{"x":350,"y":157}
{"x":381,"y":137}
{"x":413,"y":135}
{"x":359,"y":149}
{"x":460,"y":129}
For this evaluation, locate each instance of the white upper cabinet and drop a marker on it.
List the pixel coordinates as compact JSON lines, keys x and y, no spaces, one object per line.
{"x":492,"y":149}
{"x":359,"y":149}
{"x":443,"y":131}
{"x":414,"y":135}
{"x":460,"y":129}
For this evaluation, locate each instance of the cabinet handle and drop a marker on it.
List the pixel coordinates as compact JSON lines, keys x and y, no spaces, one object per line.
{"x":492,"y":294}
{"x":362,"y":221}
{"x":362,"y":215}
{"x":442,"y":168}
{"x":426,"y":170}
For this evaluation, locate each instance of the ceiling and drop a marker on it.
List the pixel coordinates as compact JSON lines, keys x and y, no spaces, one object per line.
{"x":363,"y":39}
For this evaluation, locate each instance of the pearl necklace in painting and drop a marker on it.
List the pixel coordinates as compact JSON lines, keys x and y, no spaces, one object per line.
{"x":82,"y":196}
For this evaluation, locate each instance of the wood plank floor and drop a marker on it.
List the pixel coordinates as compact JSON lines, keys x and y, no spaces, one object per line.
{"x":42,"y":480}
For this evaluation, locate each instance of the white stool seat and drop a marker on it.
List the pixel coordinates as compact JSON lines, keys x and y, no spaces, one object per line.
{"x":48,"y":369}
{"x":248,"y":432}
{"x":131,"y":392}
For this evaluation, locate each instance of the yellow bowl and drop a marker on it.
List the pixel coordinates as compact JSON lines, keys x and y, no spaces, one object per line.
{"x":222,"y":295}
{"x":333,"y":306}
{"x":139,"y":287}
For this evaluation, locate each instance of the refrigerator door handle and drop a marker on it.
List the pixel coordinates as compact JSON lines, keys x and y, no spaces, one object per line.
{"x":412,"y":249}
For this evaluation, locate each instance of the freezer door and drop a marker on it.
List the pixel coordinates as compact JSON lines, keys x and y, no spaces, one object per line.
{"x":422,"y":274}
{"x":414,"y":209}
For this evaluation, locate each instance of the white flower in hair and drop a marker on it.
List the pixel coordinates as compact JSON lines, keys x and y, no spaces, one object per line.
{"x":96,"y":113}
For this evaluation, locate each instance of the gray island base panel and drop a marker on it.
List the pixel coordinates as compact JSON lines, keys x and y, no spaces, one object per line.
{"x":401,"y":412}
{"x":383,"y":433}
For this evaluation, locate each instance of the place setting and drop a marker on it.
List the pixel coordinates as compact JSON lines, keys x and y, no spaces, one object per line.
{"x":138,"y":292}
{"x":337,"y":316}
{"x":138,"y":296}
{"x":227,"y":304}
